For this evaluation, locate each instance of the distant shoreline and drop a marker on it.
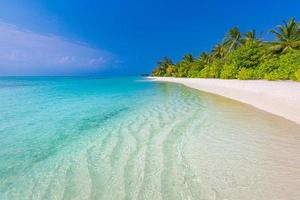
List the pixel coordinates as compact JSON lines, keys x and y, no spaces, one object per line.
{"x":281,"y":98}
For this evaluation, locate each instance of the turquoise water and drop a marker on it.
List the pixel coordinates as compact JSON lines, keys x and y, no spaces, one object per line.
{"x":127,"y":138}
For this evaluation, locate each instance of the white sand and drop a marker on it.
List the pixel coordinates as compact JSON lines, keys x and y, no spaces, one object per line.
{"x":281,"y":98}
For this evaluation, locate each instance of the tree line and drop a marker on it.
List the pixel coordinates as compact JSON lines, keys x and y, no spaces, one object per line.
{"x":243,"y":56}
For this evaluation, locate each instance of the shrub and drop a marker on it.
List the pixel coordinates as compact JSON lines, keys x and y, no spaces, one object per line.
{"x":212,"y":70}
{"x":170,"y":71}
{"x":285,"y":67}
{"x":247,"y":56}
{"x":297,"y":75}
{"x":275,"y":75}
{"x":289,"y":63}
{"x":195,"y":69}
{"x":229,"y":72}
{"x":204,"y":73}
{"x":217,"y":68}
{"x":245,"y":74}
{"x":268,"y":64}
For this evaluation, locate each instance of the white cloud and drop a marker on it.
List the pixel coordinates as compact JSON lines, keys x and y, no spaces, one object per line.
{"x":24,"y":53}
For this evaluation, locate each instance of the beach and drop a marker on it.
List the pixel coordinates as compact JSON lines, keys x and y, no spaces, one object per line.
{"x":281,"y":98}
{"x":149,"y":100}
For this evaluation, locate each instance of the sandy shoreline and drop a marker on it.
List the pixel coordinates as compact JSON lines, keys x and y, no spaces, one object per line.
{"x":281,"y":98}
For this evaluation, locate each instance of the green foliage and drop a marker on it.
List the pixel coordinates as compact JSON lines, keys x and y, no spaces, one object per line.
{"x":246,"y":74}
{"x":287,"y":36}
{"x":170,"y":71}
{"x":160,"y":70}
{"x":233,"y":39}
{"x":229,"y":71}
{"x":212,"y":70}
{"x":195,"y":69}
{"x":272,"y":76}
{"x":247,"y":56}
{"x":269,"y":62}
{"x":297,"y":75}
{"x":250,"y":36}
{"x":182,"y":69}
{"x":243,"y":56}
{"x":285,"y":67}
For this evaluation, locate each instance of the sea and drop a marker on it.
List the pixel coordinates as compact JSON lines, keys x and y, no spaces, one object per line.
{"x":102,"y":138}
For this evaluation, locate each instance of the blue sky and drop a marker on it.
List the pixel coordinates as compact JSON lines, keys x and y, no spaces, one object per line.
{"x":119,"y":37}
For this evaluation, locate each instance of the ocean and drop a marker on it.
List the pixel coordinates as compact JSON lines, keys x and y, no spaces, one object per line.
{"x":129,"y":138}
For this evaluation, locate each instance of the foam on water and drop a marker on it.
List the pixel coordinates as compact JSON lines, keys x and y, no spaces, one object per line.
{"x":118,"y":138}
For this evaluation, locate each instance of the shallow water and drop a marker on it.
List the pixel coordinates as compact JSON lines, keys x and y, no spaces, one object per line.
{"x":120,"y":138}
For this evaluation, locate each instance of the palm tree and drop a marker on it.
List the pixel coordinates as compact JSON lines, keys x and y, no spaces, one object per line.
{"x":233,"y":39}
{"x":287,"y":36}
{"x":163,"y":65}
{"x":219,"y":51}
{"x":188,"y":58}
{"x":249,"y":36}
{"x":165,"y":62}
{"x":205,"y":57}
{"x":184,"y":65}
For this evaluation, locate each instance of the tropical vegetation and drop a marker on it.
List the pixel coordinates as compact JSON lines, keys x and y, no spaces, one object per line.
{"x":243,"y":56}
